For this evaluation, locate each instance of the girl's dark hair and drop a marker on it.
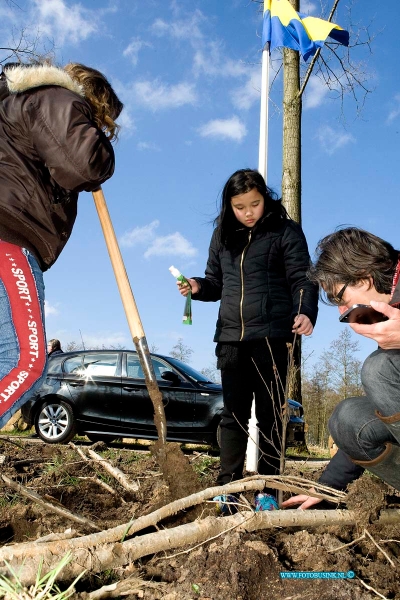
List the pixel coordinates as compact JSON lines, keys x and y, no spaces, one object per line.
{"x":348,"y":257}
{"x":241,"y":182}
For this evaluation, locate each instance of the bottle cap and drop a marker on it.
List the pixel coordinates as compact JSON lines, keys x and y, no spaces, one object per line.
{"x":174,"y":271}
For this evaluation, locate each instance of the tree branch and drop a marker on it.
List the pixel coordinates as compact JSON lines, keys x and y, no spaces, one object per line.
{"x":316,"y":55}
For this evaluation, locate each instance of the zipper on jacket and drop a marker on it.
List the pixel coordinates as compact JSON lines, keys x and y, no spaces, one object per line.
{"x":242,"y":284}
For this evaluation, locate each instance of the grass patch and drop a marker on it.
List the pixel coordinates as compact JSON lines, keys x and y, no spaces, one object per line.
{"x":16,"y":433}
{"x":311,"y":452}
{"x":204,"y":464}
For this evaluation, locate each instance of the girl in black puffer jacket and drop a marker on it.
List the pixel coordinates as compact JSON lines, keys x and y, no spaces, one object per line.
{"x":257,"y":266}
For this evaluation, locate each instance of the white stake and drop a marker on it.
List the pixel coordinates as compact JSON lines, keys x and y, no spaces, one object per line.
{"x":252,"y":444}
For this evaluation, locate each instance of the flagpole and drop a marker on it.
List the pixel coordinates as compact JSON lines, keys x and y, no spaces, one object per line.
{"x":263,"y":145}
{"x":252,"y":444}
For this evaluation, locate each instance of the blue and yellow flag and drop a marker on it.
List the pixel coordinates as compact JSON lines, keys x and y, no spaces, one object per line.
{"x":284,"y":27}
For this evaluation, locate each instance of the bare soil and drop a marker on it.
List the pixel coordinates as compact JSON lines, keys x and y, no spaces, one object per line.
{"x":230,"y":567}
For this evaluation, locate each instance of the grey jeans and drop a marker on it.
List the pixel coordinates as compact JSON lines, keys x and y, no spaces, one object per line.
{"x":354,"y":424}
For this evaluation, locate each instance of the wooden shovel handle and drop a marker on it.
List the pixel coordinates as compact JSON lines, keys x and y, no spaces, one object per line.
{"x":128,"y":300}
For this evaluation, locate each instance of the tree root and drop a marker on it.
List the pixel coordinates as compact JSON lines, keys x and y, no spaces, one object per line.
{"x":116,"y":473}
{"x":27,"y":557}
{"x":107,"y":549}
{"x":59,"y":509}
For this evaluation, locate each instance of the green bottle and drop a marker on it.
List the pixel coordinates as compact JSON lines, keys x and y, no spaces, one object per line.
{"x":187,"y":313}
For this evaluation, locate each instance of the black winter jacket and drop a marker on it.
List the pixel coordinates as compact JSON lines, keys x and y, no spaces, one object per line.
{"x":50,"y":150}
{"x":259,"y":282}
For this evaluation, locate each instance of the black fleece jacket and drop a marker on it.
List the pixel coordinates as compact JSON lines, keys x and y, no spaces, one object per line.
{"x":261,"y":281}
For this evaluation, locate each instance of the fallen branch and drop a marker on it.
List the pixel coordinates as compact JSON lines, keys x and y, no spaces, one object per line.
{"x":371,"y":589}
{"x":130,"y":586}
{"x":120,"y":532}
{"x":95,"y":479}
{"x":352,"y":543}
{"x":104,"y":485}
{"x":27,"y":557}
{"x":52,"y":537}
{"x":116,"y":473}
{"x":364,"y":535}
{"x":27,"y":462}
{"x":48,"y":505}
{"x":379,"y":548}
{"x":6,"y":439}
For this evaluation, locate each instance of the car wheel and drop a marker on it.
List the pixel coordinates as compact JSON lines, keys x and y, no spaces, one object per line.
{"x":107,"y":439}
{"x":55,"y":422}
{"x":218,"y":435}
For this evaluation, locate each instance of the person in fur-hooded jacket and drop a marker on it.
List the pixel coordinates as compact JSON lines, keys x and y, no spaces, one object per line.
{"x":56,"y":128}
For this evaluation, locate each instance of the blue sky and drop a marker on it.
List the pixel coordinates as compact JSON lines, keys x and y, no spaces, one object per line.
{"x":189,"y":75}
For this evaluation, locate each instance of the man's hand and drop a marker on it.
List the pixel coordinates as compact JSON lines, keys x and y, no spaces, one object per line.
{"x":386,"y":333}
{"x":302,"y":325}
{"x":304,"y":501}
{"x":184,"y":288}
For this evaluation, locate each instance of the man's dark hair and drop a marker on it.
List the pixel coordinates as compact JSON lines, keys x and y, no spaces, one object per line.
{"x":348,"y":257}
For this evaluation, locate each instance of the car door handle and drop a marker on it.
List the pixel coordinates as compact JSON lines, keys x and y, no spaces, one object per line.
{"x":76,"y":383}
{"x":133,"y":390}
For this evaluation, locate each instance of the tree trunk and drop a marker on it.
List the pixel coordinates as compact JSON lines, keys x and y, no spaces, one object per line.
{"x":291,"y":164}
{"x":111,"y":556}
{"x":291,"y":168}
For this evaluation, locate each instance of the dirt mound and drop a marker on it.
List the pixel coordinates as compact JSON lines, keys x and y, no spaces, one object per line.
{"x":230,"y":566}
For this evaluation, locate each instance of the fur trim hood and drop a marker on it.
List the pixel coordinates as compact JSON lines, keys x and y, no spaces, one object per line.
{"x":23,"y":78}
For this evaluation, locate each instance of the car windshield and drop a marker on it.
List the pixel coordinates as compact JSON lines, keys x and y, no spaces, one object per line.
{"x":189,"y":371}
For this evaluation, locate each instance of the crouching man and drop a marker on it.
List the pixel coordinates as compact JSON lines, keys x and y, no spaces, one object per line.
{"x":356,"y":267}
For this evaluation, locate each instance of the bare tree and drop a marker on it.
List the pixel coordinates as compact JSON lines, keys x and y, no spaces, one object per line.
{"x":337,"y":375}
{"x":181,"y":352}
{"x":340,"y":72}
{"x":343,"y":367}
{"x":24,"y":46}
{"x":211,"y":372}
{"x":75,"y":346}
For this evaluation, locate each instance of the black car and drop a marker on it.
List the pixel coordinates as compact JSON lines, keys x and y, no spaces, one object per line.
{"x":102,"y":394}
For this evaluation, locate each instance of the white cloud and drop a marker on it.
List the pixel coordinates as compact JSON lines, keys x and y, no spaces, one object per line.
{"x":139,"y":235}
{"x":395,"y":112}
{"x":7,"y":13}
{"x":105,"y":340}
{"x":245,"y":96}
{"x":307,"y":6}
{"x":169,"y":245}
{"x":126,"y":121}
{"x":224,"y":129}
{"x":64,"y":22}
{"x":49,"y":309}
{"x":155,"y":95}
{"x":132,"y":51}
{"x":332,"y":140}
{"x":181,"y":29}
{"x":148,"y":146}
{"x":210,"y":59}
{"x":316,"y":92}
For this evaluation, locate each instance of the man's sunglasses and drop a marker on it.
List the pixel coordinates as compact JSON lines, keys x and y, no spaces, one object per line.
{"x":338,"y":298}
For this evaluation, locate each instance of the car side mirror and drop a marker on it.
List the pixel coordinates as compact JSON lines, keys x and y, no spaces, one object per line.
{"x":171,"y":376}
